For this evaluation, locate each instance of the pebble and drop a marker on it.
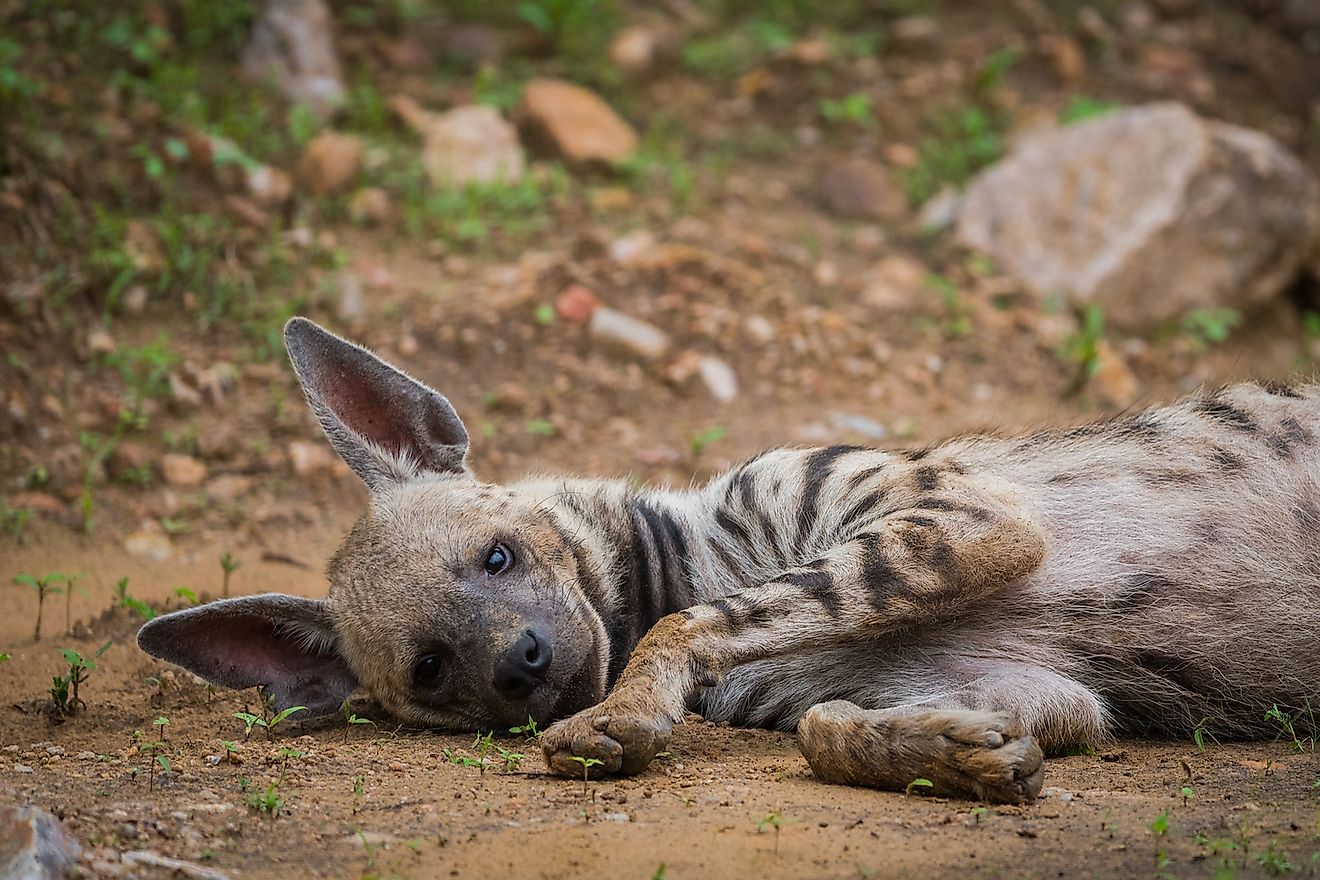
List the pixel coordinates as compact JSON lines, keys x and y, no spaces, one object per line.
{"x":149,"y":544}
{"x":940,"y":211}
{"x":54,"y":750}
{"x":719,"y":378}
{"x":308,"y":459}
{"x":22,"y":768}
{"x":182,"y":471}
{"x":633,"y":334}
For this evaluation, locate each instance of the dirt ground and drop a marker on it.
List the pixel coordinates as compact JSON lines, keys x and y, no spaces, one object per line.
{"x":832,"y":340}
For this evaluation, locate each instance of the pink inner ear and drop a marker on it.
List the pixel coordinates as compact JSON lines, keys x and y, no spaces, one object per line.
{"x":250,"y":649}
{"x":354,"y":395}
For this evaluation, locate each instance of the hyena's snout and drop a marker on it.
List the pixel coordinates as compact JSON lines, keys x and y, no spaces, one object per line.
{"x":524,"y":666}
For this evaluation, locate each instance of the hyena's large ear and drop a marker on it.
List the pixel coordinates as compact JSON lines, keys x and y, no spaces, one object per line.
{"x":285,"y":644}
{"x":388,"y":426}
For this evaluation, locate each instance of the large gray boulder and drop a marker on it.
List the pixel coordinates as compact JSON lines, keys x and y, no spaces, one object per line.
{"x":1148,"y":212}
{"x":34,"y":845}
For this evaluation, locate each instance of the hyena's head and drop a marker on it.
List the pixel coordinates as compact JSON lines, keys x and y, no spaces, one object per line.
{"x":455,"y":603}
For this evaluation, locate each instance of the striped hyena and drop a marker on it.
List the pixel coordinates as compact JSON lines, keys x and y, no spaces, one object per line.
{"x":951,"y":612}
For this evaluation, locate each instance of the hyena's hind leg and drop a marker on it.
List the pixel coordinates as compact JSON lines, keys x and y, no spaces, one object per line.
{"x":983,"y":739}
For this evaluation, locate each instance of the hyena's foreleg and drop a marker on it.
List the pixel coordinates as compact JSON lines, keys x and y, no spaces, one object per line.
{"x":910,"y":567}
{"x":983,"y":738}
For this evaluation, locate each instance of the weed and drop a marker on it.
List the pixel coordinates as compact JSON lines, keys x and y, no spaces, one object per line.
{"x":1206,"y":327}
{"x":4,"y":658}
{"x":267,"y":801}
{"x":351,"y":719}
{"x":228,"y":565}
{"x":544,"y":314}
{"x":43,"y":587}
{"x":483,"y":745}
{"x":957,"y":321}
{"x":284,"y":754}
{"x":64,"y":688}
{"x":540,"y":427}
{"x":978,"y":813}
{"x":530,"y":731}
{"x":123,"y":600}
{"x":1187,"y":793}
{"x":1081,"y":107}
{"x":578,"y":30}
{"x":775,"y":820}
{"x":919,"y":782}
{"x":659,"y":873}
{"x":1287,"y":725}
{"x":231,"y":751}
{"x":854,"y":109}
{"x":14,"y":521}
{"x":160,"y":724}
{"x":69,"y":582}
{"x":509,"y":760}
{"x":964,"y":142}
{"x":705,"y":437}
{"x":1202,"y":731}
{"x":268,"y":724}
{"x":1274,"y":862}
{"x":186,"y":595}
{"x":587,"y":764}
{"x":358,"y":788}
{"x":1082,"y":347}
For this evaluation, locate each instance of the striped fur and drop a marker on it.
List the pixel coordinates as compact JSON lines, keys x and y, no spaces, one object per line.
{"x":946,"y":612}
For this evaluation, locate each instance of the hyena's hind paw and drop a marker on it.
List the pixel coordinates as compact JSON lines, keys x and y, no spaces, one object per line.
{"x":983,"y":755}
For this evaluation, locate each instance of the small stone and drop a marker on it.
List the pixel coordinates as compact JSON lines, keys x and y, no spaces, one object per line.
{"x":183,"y":397}
{"x":370,"y":206}
{"x":228,"y":488}
{"x":470,"y":144}
{"x":149,"y":544}
{"x":719,"y":378}
{"x":895,"y":283}
{"x":22,"y":768}
{"x":577,"y":123}
{"x":292,"y":45}
{"x":408,"y":345}
{"x":99,"y":341}
{"x":508,"y":397}
{"x":576,"y":304}
{"x":182,"y":471}
{"x":269,"y":186}
{"x":309,"y":459}
{"x":134,"y":300}
{"x":861,"y":189}
{"x":632,"y":334}
{"x":86,"y":756}
{"x":54,"y":750}
{"x":859,"y":425}
{"x":41,"y":502}
{"x":34,"y":845}
{"x":175,"y":867}
{"x":759,"y":328}
{"x":351,"y":306}
{"x":330,"y":163}
{"x":940,"y":211}
{"x":633,"y":49}
{"x":626,"y":249}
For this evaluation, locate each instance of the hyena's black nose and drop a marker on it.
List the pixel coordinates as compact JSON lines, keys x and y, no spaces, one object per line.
{"x":523,"y":668}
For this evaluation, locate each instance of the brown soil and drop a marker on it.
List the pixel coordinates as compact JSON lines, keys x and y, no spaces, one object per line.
{"x":754,"y":242}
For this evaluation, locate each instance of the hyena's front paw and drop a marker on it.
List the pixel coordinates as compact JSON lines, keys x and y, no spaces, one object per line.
{"x":984,"y":755}
{"x":623,"y":740}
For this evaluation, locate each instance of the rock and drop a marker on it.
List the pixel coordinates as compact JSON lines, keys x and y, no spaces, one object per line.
{"x":351,"y":306}
{"x":34,"y":845}
{"x":940,"y":211}
{"x":175,"y":867}
{"x":576,"y":304}
{"x":861,"y":189}
{"x":309,"y":459}
{"x":632,"y":334}
{"x":370,"y":206}
{"x":895,"y":283}
{"x":134,"y":300}
{"x":99,"y":341}
{"x":1148,"y":212}
{"x":330,"y":163}
{"x":228,"y":488}
{"x":577,"y":123}
{"x":292,"y":46}
{"x":38,"y":501}
{"x":183,"y":397}
{"x":633,"y":49}
{"x":719,"y":378}
{"x":182,"y":471}
{"x":149,"y":544}
{"x":472,"y":144}
{"x":269,"y":186}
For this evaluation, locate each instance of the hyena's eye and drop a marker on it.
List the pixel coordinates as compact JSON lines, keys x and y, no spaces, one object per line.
{"x":498,"y":560}
{"x":427,"y":671}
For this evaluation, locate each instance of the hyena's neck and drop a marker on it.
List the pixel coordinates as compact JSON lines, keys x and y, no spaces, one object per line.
{"x":640,"y":554}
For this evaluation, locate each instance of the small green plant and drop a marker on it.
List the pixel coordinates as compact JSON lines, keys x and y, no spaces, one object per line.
{"x":267,"y":801}
{"x":509,"y":760}
{"x":1187,"y":793}
{"x":1080,"y":107}
{"x":1206,"y":327}
{"x":231,"y":748}
{"x":1083,"y":347}
{"x":483,"y":745}
{"x":1287,"y":724}
{"x":64,"y":690}
{"x":4,"y":658}
{"x":43,"y":587}
{"x":160,"y":724}
{"x":154,"y":750}
{"x":14,"y":521}
{"x":587,"y":764}
{"x":544,"y":314}
{"x":229,"y":565}
{"x":351,"y":719}
{"x":123,"y":600}
{"x":659,"y":873}
{"x":964,"y":141}
{"x":529,"y":730}
{"x":775,"y":820}
{"x":854,"y":109}
{"x":979,"y":812}
{"x":1274,"y":862}
{"x":1201,"y":732}
{"x":705,"y":437}
{"x":917,"y":783}
{"x":268,"y":724}
{"x":540,"y":427}
{"x":186,"y":595}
